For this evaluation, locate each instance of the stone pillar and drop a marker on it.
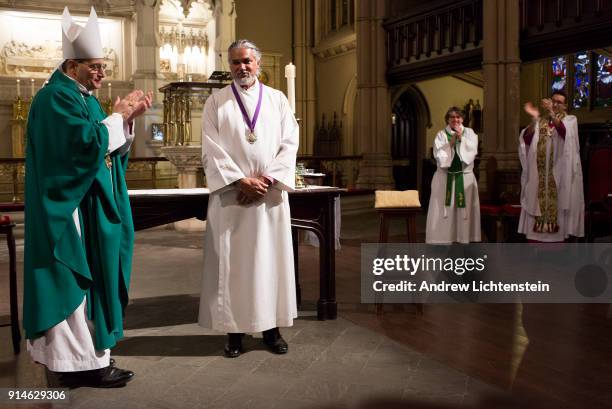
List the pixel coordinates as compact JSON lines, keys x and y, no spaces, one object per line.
{"x":146,"y":76}
{"x":188,"y":162}
{"x":501,"y":72}
{"x":305,"y":86}
{"x":373,"y":122}
{"x":225,"y":26}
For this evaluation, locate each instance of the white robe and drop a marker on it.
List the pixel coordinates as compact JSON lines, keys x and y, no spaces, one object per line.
{"x":446,"y":225}
{"x":68,"y":346}
{"x":567,"y":173}
{"x":248,"y":283}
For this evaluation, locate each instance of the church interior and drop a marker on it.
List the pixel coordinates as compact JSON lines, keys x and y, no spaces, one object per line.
{"x":373,"y":81}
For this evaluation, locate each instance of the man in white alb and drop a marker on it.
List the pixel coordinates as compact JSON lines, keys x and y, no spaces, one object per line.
{"x":249,"y":145}
{"x":552,"y":198}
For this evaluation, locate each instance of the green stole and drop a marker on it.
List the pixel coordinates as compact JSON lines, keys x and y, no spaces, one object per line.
{"x":66,"y":170}
{"x":455,"y":174}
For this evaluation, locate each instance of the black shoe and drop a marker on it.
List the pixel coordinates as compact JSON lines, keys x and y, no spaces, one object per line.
{"x":233,"y":347}
{"x":107,"y":377}
{"x":110,"y":377}
{"x":274,"y":341}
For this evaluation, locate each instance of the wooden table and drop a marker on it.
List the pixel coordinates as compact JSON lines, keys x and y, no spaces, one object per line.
{"x":7,"y":229}
{"x":312,"y":209}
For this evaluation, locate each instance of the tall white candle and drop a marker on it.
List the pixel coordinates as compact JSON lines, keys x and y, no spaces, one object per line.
{"x":18,"y":88}
{"x":290,"y":75}
{"x":110,"y":94}
{"x":32,"y":88}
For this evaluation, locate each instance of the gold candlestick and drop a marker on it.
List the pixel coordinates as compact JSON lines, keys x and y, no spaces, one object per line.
{"x":178,"y":123}
{"x":187,"y":113}
{"x":19,"y":111}
{"x":166,"y":126}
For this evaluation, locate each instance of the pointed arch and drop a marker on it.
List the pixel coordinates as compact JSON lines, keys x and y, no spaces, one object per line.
{"x":412,"y":95}
{"x":348,"y":117}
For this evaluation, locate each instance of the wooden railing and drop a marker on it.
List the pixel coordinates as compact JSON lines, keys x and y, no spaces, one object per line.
{"x":12,"y":171}
{"x":341,"y":171}
{"x":159,"y":173}
{"x":554,"y":27}
{"x":150,"y":173}
{"x":425,"y":43}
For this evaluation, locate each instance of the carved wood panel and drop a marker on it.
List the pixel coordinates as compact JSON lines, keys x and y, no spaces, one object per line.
{"x":446,"y":38}
{"x":555,"y":27}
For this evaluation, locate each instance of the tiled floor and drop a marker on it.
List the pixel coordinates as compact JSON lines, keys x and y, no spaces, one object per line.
{"x":330,"y":364}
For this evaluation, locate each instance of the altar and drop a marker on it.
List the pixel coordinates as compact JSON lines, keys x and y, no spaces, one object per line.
{"x":312,"y":209}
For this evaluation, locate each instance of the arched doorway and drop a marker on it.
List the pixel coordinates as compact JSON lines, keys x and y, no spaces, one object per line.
{"x":410,"y":117}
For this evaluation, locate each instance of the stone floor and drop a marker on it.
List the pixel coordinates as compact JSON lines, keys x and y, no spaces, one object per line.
{"x":330,"y":364}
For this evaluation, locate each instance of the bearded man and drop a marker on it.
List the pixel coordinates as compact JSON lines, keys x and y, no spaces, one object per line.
{"x":249,"y":146}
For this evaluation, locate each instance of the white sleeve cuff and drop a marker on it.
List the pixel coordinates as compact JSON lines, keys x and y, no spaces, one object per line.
{"x":128,"y":133}
{"x":116,"y":136}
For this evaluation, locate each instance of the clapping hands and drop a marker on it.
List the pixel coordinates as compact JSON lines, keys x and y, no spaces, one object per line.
{"x":547,"y":105}
{"x":532,"y":110}
{"x":133,"y":105}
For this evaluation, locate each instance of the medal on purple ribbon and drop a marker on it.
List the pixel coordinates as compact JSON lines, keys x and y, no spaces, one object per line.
{"x":251,"y":137}
{"x":250,"y":133}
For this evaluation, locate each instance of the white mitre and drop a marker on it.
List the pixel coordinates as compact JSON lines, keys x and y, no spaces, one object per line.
{"x":81,"y":42}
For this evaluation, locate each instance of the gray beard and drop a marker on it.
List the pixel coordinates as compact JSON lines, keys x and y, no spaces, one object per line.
{"x":245,"y":81}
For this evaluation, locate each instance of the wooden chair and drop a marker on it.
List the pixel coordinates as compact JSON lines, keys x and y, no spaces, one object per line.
{"x":406,"y":213}
{"x":491,"y":206}
{"x":6,"y":227}
{"x":598,"y":206}
{"x":499,"y":208}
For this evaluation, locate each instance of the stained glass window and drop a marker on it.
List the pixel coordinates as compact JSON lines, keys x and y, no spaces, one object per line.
{"x":582,"y":81}
{"x":604,"y":81}
{"x":559,"y":73}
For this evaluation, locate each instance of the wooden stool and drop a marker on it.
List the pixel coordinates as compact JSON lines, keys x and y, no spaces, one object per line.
{"x":6,"y":227}
{"x":407,"y":213}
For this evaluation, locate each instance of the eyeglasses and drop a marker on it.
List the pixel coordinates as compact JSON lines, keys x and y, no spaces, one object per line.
{"x":101,"y":68}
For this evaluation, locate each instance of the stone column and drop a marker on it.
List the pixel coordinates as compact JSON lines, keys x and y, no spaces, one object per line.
{"x":188,"y":163}
{"x":373,"y":124}
{"x":501,"y":72}
{"x":305,"y":86}
{"x":225,"y":26}
{"x":146,"y":76}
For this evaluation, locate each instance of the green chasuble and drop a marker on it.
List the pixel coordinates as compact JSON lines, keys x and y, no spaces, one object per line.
{"x":65,"y":170}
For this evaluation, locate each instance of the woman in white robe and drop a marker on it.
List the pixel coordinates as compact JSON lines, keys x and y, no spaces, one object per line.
{"x":454,"y":212}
